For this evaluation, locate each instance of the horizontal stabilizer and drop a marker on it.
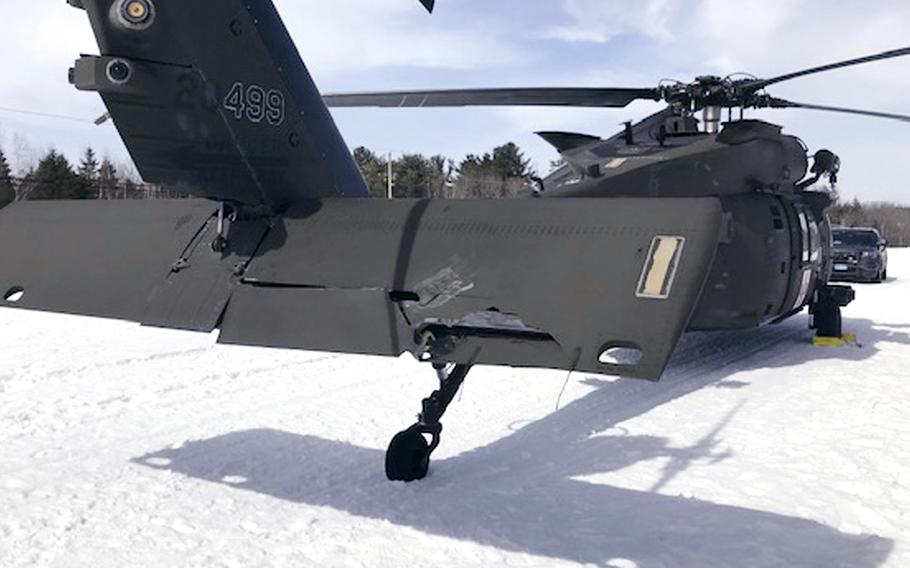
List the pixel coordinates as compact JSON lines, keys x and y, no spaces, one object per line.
{"x":95,"y":258}
{"x":598,"y":285}
{"x":564,"y":141}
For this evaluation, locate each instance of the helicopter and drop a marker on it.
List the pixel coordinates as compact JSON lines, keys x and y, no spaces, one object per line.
{"x":672,"y":225}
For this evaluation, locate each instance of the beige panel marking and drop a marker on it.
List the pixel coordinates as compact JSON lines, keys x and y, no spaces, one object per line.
{"x":615,"y":163}
{"x":660,"y":268}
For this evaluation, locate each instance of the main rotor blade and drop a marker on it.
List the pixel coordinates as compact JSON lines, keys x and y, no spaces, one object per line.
{"x":781,"y":103}
{"x":762,"y":83}
{"x":572,"y":97}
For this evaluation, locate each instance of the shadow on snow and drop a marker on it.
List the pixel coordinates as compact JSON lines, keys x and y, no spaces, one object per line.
{"x":520,"y":493}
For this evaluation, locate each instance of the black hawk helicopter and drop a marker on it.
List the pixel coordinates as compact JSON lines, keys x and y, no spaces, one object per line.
{"x":664,"y":228}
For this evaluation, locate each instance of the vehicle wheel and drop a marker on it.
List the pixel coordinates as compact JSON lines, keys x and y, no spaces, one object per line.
{"x":885,"y":275}
{"x":408,"y":456}
{"x":828,"y":320}
{"x":220,"y":244}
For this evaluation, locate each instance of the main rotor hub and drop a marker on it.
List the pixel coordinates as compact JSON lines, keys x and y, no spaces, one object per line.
{"x":709,"y":91}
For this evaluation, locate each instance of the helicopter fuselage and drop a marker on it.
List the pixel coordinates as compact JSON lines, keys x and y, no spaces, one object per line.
{"x":774,"y":253}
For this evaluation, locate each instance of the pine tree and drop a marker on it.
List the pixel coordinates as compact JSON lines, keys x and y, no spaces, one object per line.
{"x":88,"y":170}
{"x":419,"y":176}
{"x":500,"y":174}
{"x":509,"y":162}
{"x":375,"y":170}
{"x":7,"y":190}
{"x":54,"y":178}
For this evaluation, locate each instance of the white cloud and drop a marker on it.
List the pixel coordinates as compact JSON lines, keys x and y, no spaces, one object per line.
{"x":600,"y":21}
{"x":340,"y":38}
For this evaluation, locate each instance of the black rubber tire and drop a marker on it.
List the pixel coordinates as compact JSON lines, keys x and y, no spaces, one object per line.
{"x":408,"y":457}
{"x":885,"y":275}
{"x":828,"y":320}
{"x":220,"y":244}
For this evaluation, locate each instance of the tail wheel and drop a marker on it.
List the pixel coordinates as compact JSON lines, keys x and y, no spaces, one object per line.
{"x":408,"y":456}
{"x":220,"y":244}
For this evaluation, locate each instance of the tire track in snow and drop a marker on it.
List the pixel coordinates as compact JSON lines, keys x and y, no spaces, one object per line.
{"x":218,"y":407}
{"x":697,"y":363}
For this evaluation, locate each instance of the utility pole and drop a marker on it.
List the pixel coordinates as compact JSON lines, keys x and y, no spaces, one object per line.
{"x":391,"y":183}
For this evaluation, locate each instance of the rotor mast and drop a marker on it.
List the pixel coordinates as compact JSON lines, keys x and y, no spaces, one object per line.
{"x":711,"y":117}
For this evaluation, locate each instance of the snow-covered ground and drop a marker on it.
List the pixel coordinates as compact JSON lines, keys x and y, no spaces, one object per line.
{"x":126,"y":446}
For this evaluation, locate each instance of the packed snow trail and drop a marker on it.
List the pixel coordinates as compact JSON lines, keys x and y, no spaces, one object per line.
{"x":125,"y":445}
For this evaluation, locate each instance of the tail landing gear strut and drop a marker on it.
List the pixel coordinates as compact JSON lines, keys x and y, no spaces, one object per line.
{"x":826,"y":310}
{"x":408,"y":456}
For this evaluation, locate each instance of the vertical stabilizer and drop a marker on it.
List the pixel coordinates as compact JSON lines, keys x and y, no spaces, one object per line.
{"x":213,"y":97}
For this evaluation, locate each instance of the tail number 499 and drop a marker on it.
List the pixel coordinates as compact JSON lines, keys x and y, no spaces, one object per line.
{"x":255,"y":104}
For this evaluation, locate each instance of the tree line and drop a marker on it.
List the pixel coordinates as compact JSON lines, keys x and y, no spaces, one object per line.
{"x":504,"y":172}
{"x":500,"y":173}
{"x":54,"y":177}
{"x":891,"y":220}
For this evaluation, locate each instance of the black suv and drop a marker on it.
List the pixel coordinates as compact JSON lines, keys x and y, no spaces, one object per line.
{"x":859,"y":254}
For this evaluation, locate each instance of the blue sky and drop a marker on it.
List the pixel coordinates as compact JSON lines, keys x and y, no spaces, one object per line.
{"x":389,"y":44}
